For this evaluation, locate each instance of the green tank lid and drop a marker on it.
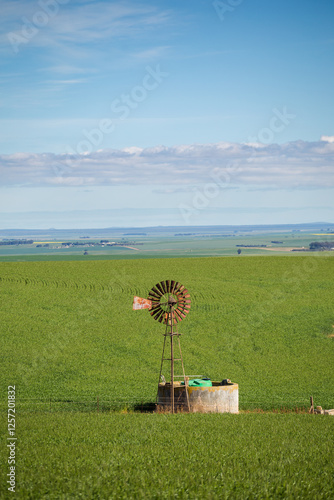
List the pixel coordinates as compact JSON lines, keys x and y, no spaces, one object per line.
{"x":198,"y":382}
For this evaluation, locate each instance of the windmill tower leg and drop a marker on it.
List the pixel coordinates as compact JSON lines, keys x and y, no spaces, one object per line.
{"x":172,"y":366}
{"x":162,"y":362}
{"x":184,"y":376}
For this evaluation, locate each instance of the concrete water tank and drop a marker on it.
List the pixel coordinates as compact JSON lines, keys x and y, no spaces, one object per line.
{"x":218,"y":398}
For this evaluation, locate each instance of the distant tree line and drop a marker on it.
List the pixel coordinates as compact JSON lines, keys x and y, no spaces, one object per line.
{"x":252,"y":246}
{"x":77,"y":243}
{"x":321,"y":245}
{"x":16,"y":242}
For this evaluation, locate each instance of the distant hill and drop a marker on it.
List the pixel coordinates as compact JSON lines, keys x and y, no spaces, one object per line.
{"x":325,"y":227}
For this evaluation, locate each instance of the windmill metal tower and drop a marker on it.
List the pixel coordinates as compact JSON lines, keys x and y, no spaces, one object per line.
{"x":169,"y":303}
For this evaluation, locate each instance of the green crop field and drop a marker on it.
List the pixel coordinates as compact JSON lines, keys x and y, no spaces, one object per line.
{"x":69,"y":456}
{"x":69,"y":336}
{"x":69,"y":331}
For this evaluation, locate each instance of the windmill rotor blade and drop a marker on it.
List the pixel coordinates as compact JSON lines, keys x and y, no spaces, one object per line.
{"x":181,"y":313}
{"x":153,"y":296}
{"x":182,"y":304}
{"x":157,"y":291}
{"x":157,"y":310}
{"x":183,"y":309}
{"x":154,"y":311}
{"x":158,"y":314}
{"x":155,"y":307}
{"x":160,"y":317}
{"x":177,"y":287}
{"x":184,"y":301}
{"x":163,"y":284}
{"x":173,"y":315}
{"x":172,"y":286}
{"x":163,"y":318}
{"x":178,"y":316}
{"x":183,"y":297}
{"x":159,"y":287}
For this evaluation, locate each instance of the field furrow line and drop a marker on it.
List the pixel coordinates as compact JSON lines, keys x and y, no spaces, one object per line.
{"x":55,"y":283}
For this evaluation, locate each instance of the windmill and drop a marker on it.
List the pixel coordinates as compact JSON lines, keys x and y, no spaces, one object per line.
{"x":169,"y":303}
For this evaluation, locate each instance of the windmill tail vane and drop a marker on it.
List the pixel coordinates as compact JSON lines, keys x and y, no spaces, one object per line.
{"x":140,"y":303}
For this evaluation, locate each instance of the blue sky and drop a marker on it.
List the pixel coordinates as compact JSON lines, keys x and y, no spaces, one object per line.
{"x":218,"y":112}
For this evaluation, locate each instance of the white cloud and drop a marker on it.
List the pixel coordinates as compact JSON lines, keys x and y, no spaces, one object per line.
{"x":149,"y":54}
{"x":327,"y":138}
{"x":293,"y":164}
{"x":77,"y":23}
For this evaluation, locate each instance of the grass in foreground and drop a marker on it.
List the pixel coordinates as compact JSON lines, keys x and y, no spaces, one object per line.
{"x":63,"y":456}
